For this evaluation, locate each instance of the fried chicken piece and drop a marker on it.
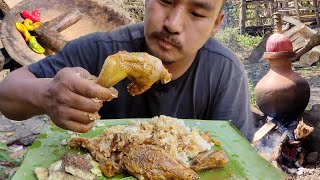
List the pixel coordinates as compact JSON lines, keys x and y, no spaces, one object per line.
{"x":209,"y":160}
{"x":151,"y":162}
{"x":109,"y":164}
{"x":141,"y":68}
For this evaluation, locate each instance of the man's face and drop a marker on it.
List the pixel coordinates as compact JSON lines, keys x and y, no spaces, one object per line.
{"x":176,"y":29}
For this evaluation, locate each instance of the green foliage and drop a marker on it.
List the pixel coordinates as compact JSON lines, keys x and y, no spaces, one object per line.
{"x":252,"y":97}
{"x":4,"y":153}
{"x":232,"y":35}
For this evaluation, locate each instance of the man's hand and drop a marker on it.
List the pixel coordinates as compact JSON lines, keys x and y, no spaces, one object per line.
{"x":73,"y":99}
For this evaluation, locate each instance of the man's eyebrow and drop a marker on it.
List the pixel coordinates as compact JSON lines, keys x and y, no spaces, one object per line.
{"x":203,"y":5}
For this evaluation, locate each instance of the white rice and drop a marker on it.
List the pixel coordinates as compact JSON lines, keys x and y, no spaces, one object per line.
{"x":169,"y":133}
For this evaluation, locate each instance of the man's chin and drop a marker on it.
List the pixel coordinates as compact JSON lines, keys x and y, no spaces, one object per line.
{"x":165,"y":59}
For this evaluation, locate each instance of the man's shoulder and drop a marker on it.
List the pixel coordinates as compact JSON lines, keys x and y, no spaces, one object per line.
{"x":221,"y":54}
{"x":123,"y":34}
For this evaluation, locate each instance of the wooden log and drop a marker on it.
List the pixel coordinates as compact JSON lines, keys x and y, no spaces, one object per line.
{"x":48,"y":33}
{"x":63,"y":21}
{"x":50,"y":39}
{"x":314,"y":41}
{"x":310,"y":57}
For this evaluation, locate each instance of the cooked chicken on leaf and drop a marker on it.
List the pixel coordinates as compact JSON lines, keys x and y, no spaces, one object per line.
{"x":141,"y":68}
{"x":152,"y":162}
{"x":163,"y":148}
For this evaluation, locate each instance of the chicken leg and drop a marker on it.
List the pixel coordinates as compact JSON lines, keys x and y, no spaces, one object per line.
{"x":141,"y":68}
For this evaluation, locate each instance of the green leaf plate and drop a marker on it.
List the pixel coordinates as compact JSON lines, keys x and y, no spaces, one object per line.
{"x":244,"y":162}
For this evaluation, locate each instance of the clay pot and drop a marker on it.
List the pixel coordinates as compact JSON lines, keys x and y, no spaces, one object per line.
{"x":282,"y":93}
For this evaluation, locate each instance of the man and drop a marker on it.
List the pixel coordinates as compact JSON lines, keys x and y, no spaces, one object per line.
{"x":208,"y":81}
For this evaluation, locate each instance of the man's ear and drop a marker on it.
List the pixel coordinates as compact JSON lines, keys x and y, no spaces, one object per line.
{"x":217,"y":23}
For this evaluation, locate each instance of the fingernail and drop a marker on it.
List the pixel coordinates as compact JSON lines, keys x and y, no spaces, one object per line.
{"x":97,"y":100}
{"x":114,"y":95}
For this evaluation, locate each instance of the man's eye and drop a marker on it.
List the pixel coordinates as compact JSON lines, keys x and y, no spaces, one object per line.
{"x":169,"y":2}
{"x":198,"y":15}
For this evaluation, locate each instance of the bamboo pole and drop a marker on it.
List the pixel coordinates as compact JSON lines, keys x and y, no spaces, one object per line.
{"x":243,"y":17}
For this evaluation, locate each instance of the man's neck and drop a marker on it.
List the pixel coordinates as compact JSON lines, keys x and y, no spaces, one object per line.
{"x":178,"y":68}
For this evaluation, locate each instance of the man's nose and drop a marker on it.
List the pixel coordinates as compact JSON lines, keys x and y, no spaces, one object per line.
{"x":174,"y":21}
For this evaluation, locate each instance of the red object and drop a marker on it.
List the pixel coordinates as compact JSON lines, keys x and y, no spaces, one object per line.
{"x":36,"y":12}
{"x":279,"y":43}
{"x":34,"y":16}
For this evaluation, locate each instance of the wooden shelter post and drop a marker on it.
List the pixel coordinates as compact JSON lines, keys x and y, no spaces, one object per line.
{"x":296,"y":4}
{"x":243,"y":17}
{"x":316,"y":12}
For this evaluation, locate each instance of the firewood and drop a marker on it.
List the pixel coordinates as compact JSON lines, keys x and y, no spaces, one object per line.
{"x":314,"y":41}
{"x":298,"y":23}
{"x":310,"y":57}
{"x":63,"y":21}
{"x":263,"y":131}
{"x":302,"y":130}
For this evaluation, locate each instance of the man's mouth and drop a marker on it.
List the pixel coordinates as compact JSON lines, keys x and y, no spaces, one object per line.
{"x":166,"y":44}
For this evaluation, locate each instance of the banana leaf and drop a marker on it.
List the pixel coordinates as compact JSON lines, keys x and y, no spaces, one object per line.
{"x":244,"y":162}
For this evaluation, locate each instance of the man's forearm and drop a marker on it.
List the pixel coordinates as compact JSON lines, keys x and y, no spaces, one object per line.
{"x":21,"y":93}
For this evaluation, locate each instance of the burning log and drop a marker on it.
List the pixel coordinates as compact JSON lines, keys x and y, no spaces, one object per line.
{"x":284,"y":145}
{"x":302,"y":130}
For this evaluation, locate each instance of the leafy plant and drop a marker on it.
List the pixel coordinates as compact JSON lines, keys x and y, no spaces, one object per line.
{"x":4,"y":153}
{"x":252,"y":96}
{"x":232,"y":37}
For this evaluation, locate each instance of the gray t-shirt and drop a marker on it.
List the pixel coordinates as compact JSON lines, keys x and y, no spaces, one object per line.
{"x":215,"y":87}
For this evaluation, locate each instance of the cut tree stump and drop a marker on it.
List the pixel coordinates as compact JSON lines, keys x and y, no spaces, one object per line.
{"x":310,"y":57}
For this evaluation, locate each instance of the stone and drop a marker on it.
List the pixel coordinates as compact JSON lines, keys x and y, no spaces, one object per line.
{"x":25,"y":131}
{"x":312,"y":157}
{"x":312,"y":118}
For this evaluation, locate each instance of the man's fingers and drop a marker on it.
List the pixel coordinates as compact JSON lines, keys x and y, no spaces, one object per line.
{"x":80,"y":102}
{"x":90,"y":89}
{"x":84,"y":73}
{"x":74,"y":125}
{"x":81,"y":116}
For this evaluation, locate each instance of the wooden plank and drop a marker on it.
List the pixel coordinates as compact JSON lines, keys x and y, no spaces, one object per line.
{"x":293,"y":30}
{"x":263,"y":131}
{"x":295,"y":36}
{"x":299,"y":43}
{"x":299,"y":23}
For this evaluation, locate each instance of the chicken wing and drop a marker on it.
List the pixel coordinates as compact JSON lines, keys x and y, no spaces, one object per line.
{"x":151,"y":162}
{"x":141,"y":68}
